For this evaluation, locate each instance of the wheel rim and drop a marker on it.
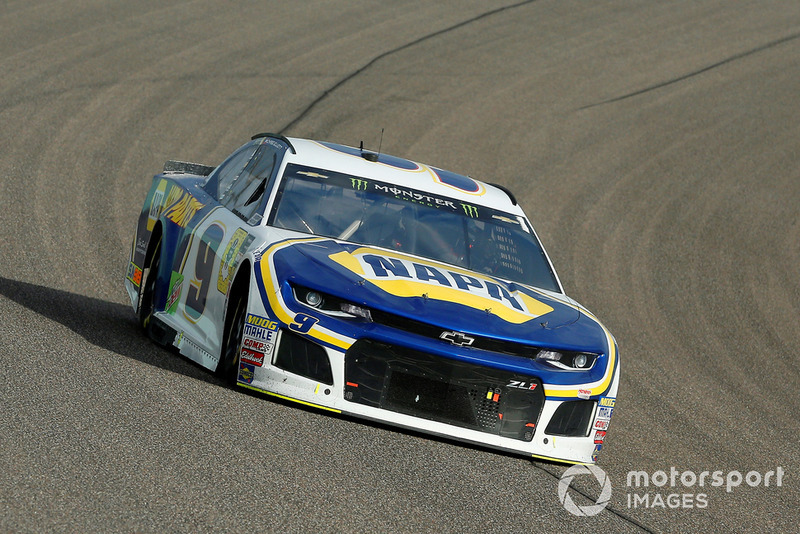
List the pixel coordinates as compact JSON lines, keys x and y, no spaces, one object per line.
{"x":234,"y":338}
{"x":148,"y":302}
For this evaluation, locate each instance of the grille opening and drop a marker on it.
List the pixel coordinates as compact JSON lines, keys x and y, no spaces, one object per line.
{"x":571,"y":419}
{"x":421,"y":396}
{"x":300,"y":356}
{"x":442,"y":389}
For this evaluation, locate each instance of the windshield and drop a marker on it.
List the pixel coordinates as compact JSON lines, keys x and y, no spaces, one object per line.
{"x":369,"y":212}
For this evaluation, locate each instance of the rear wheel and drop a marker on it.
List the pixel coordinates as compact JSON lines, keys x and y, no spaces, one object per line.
{"x":148,"y":288}
{"x":228,"y":367}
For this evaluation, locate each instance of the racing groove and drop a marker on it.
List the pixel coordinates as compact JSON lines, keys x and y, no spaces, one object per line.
{"x":654,"y":145}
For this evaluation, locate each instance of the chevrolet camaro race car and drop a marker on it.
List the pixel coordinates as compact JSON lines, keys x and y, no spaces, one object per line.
{"x":374,"y":286}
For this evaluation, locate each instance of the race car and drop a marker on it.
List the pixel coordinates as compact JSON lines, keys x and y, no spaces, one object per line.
{"x":371,"y":285}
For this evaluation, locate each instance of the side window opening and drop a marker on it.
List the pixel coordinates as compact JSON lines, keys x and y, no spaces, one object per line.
{"x":221,"y":180}
{"x":245,"y":194}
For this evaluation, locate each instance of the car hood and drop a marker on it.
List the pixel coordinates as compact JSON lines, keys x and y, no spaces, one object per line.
{"x":439,"y":294}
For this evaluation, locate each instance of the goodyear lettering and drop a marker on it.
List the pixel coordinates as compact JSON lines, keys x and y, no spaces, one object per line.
{"x":183,"y":209}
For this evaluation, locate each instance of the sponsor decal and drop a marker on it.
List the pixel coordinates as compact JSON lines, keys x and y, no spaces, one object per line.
{"x":403,"y":277}
{"x":596,"y":452}
{"x":601,"y":424}
{"x":181,"y":207}
{"x":470,"y":210}
{"x":175,"y":286}
{"x":230,"y":258}
{"x":416,"y":197}
{"x":312,"y":174}
{"x":359,"y":184}
{"x":599,"y":436}
{"x":608,"y":401}
{"x":141,"y":246}
{"x":258,"y":332}
{"x":273,"y":143}
{"x":260,"y":329}
{"x":252,"y":357}
{"x":246,"y":372}
{"x":156,"y":203}
{"x":604,"y":412}
{"x":254,"y":344}
{"x":257,"y":321}
{"x":134,"y":274}
{"x":584,"y":393}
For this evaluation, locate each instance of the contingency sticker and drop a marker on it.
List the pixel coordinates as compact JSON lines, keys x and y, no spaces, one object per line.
{"x":175,"y":285}
{"x":230,"y":259}
{"x":258,"y":342}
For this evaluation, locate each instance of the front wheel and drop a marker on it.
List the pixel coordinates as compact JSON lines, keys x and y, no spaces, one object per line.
{"x":228,"y":367}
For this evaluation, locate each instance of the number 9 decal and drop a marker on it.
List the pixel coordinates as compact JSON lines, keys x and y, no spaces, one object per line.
{"x":203,"y":269}
{"x":302,"y":323}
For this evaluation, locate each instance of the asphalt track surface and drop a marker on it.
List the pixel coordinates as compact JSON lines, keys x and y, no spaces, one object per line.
{"x":655,"y":145}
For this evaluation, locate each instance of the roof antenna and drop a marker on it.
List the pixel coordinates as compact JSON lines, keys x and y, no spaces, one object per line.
{"x":380,"y":144}
{"x":361,"y":148}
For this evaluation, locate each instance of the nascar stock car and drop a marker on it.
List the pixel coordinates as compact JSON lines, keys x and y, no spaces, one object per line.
{"x":371,"y":285}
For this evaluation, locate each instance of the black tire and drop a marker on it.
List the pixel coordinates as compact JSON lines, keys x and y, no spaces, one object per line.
{"x":228,"y":367}
{"x":147,"y":291}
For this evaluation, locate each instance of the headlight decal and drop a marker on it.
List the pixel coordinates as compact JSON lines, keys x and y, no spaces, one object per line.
{"x":269,"y":289}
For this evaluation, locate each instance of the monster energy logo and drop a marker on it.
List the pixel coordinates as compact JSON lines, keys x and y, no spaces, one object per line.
{"x":358,"y":184}
{"x":470,"y":211}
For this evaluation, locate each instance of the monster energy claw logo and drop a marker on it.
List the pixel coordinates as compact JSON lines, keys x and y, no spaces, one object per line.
{"x":358,"y":184}
{"x":470,"y":211}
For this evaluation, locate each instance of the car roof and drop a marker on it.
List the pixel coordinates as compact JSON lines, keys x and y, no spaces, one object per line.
{"x":401,"y":172}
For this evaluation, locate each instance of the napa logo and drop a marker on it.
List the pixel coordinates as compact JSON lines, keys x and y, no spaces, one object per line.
{"x":403,"y":277}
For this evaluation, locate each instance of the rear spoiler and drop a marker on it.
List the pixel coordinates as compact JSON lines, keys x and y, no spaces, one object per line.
{"x":184,"y":167}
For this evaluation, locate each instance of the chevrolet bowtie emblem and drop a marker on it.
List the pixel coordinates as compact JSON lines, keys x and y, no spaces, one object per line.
{"x":457,"y":338}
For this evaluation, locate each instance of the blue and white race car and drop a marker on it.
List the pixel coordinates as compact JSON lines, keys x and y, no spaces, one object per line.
{"x":374,"y":286}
